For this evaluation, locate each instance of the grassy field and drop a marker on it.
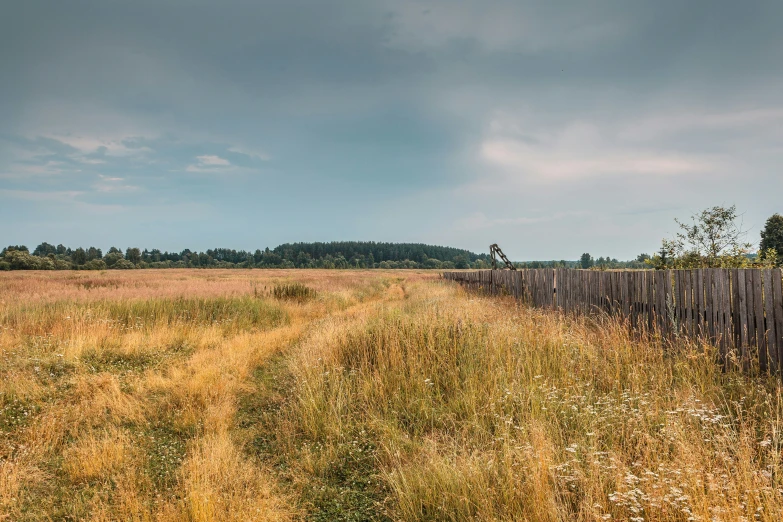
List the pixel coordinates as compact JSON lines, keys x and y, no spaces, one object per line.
{"x":350,"y":395}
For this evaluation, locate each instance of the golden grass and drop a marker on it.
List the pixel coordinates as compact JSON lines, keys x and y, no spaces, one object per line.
{"x":119,"y":392}
{"x":472,"y":409}
{"x":221,"y":484}
{"x":387,"y":395}
{"x":95,"y":456}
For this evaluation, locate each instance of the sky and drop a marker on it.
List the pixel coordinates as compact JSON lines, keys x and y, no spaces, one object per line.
{"x":550,"y":128}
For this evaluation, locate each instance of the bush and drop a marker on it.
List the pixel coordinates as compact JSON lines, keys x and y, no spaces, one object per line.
{"x":5,"y":265}
{"x":95,"y":264}
{"x":123,"y":264}
{"x":112,"y":258}
{"x":21,"y":260}
{"x":62,"y":264}
{"x":294,"y":292}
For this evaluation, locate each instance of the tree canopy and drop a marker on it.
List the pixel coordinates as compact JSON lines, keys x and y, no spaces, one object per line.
{"x":771,"y":247}
{"x":342,"y":254}
{"x":715,"y":238}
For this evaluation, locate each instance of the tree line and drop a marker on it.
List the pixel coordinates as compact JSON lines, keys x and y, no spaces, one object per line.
{"x":713,"y":238}
{"x":339,"y":254}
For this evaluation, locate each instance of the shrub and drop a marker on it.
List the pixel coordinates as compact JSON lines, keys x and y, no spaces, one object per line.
{"x":112,"y":257}
{"x":96,"y":264}
{"x":21,"y":260}
{"x":123,"y":264}
{"x":294,"y":292}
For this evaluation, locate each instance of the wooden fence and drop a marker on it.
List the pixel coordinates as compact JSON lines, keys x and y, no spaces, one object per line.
{"x":734,"y":309}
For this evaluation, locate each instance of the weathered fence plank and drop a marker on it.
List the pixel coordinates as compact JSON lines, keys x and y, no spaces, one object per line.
{"x":750,"y":302}
{"x":770,"y":341}
{"x":777,"y":298}
{"x":759,"y":323}
{"x":726,"y":315}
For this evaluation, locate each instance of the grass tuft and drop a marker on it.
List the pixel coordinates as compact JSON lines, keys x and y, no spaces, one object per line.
{"x":294,"y":292}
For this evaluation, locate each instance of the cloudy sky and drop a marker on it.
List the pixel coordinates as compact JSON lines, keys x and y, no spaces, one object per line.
{"x":551,"y":128}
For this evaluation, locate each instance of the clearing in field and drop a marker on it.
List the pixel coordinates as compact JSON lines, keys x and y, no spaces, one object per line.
{"x":360,"y":395}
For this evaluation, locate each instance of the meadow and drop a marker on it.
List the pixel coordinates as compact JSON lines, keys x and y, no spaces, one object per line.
{"x":237,"y":395}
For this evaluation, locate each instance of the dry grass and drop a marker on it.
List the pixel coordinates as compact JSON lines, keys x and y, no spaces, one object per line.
{"x":198,"y":395}
{"x":119,"y":392}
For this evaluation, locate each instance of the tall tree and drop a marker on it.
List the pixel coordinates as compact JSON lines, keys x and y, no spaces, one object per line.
{"x":772,"y":238}
{"x":713,"y":238}
{"x":79,"y":256}
{"x":133,"y":255}
{"x":44,"y":249}
{"x":586,"y":261}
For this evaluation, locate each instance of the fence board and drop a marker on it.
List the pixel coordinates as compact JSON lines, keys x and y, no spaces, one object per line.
{"x":649,"y":278}
{"x":758,"y":306}
{"x":635,"y":297}
{"x":742,"y":313}
{"x":709,"y":304}
{"x":701,"y":309}
{"x":679,"y":290}
{"x":643,"y":314}
{"x":697,"y":303}
{"x":689,"y":298}
{"x":750,"y":304}
{"x":727,"y":318}
{"x":777,"y":298}
{"x":626,"y":280}
{"x":602,"y":291}
{"x":668,"y":281}
{"x":769,"y":322}
{"x":660,"y":300}
{"x":719,"y":292}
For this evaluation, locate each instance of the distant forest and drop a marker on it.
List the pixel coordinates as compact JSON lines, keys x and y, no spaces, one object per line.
{"x":337,"y":254}
{"x":342,"y":254}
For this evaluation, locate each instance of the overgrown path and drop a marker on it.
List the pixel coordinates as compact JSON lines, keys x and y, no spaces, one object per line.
{"x":126,"y":408}
{"x":451,"y":406}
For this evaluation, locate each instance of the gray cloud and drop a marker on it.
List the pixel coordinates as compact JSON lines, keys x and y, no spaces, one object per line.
{"x":544,"y":127}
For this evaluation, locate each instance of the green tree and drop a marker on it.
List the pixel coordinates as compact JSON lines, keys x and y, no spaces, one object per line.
{"x":44,"y":249}
{"x":772,"y":238}
{"x":112,"y":257}
{"x":95,"y":264}
{"x":10,"y":248}
{"x":79,"y":256}
{"x":586,"y":261}
{"x":22,"y":260}
{"x":714,"y":238}
{"x":461,"y":262}
{"x":123,"y":264}
{"x":133,"y":255}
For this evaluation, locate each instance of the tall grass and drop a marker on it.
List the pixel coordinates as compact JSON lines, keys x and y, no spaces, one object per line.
{"x":392,"y":396}
{"x":118,"y":393}
{"x":475,"y":411}
{"x":293,"y":291}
